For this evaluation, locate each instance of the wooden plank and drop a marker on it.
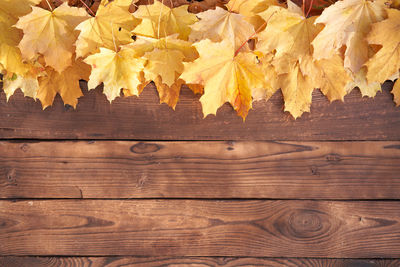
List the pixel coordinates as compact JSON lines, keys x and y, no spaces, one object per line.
{"x":190,"y":261}
{"x":126,"y":169}
{"x":145,"y":119}
{"x":284,"y":228}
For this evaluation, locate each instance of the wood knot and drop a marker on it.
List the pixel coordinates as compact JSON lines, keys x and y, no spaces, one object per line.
{"x":333,"y":158}
{"x":314,"y":170}
{"x":143,"y":148}
{"x":24,"y":147}
{"x":304,"y":224}
{"x":12,"y":176}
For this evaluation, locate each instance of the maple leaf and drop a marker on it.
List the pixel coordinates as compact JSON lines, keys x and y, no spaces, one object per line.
{"x":11,"y":10}
{"x":226,"y":77}
{"x":360,"y":80}
{"x":51,"y":33}
{"x":270,"y":77}
{"x":116,"y":70}
{"x":290,"y":35}
{"x":158,"y":20}
{"x":110,"y":28}
{"x":347,"y":23}
{"x":65,"y":83}
{"x":250,"y":9}
{"x":386,"y":61}
{"x":219,"y":24}
{"x":164,"y":63}
{"x":28,"y":84}
{"x":396,"y":92}
{"x":297,"y":91}
{"x":10,"y":55}
{"x":331,"y":77}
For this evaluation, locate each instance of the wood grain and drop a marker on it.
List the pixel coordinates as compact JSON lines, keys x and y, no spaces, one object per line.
{"x":125,"y":169}
{"x":362,"y":229}
{"x":189,"y":261}
{"x":145,"y":119}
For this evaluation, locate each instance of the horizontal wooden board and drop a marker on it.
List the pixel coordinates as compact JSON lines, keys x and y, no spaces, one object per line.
{"x":283,"y":228}
{"x":145,"y":119}
{"x":126,"y":169}
{"x":190,"y":261}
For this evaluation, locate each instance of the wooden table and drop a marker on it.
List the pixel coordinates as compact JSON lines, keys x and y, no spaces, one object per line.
{"x":137,"y":184}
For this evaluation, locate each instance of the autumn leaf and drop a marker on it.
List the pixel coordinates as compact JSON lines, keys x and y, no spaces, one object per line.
{"x":347,"y":23}
{"x":250,"y":9}
{"x":218,"y":25}
{"x":226,"y":77}
{"x":164,"y":63}
{"x":10,"y":55}
{"x":110,"y":28}
{"x":116,"y":70}
{"x":51,"y":34}
{"x":360,"y":80}
{"x":65,"y":83}
{"x":386,"y":61}
{"x":297,"y":91}
{"x":158,"y":20}
{"x":28,"y":84}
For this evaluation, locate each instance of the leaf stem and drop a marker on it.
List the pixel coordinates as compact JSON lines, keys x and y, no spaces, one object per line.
{"x":309,"y":9}
{"x":88,"y":8}
{"x":255,"y":32}
{"x":51,"y":8}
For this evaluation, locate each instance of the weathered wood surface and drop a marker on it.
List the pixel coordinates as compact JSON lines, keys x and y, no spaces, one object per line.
{"x":189,"y":261}
{"x":126,"y":169}
{"x":295,"y":228}
{"x":145,"y":119}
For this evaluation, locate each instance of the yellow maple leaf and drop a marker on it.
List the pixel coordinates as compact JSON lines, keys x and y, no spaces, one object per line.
{"x":65,"y":83}
{"x":10,"y":55}
{"x":220,"y":24}
{"x":386,"y":61}
{"x":290,"y":35}
{"x":116,"y":70}
{"x":164,"y":63}
{"x":226,"y":77}
{"x":396,"y":92}
{"x":51,"y":34}
{"x":111,"y":27}
{"x":270,"y":77}
{"x":347,"y":23}
{"x":158,"y":20}
{"x":331,"y":77}
{"x":11,"y":10}
{"x":360,"y":80}
{"x":250,"y":9}
{"x":165,"y":57}
{"x":297,"y":91}
{"x":28,"y":84}
{"x":169,"y":94}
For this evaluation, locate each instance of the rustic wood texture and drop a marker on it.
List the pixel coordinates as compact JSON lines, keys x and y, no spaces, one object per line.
{"x":189,"y":261}
{"x":341,"y":229}
{"x":145,"y":119}
{"x":126,"y":169}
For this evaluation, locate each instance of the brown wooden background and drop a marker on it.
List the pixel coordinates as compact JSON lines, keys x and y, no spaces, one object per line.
{"x":137,"y":184}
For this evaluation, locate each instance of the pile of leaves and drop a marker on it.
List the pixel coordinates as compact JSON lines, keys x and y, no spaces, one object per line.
{"x":236,"y":51}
